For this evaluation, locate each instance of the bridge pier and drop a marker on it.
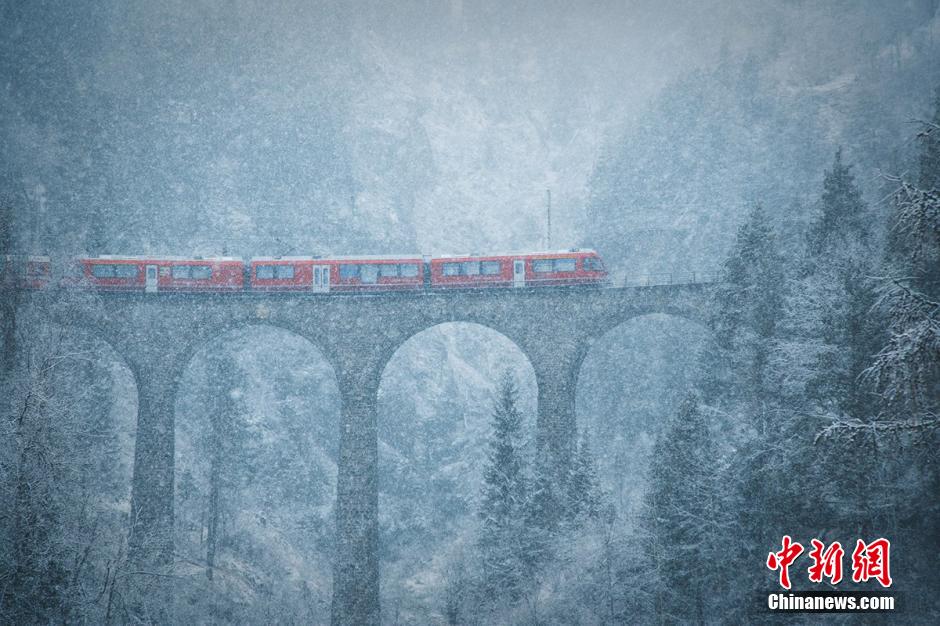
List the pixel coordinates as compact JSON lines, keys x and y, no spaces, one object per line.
{"x":356,"y":563}
{"x":150,"y":542}
{"x":156,"y":353}
{"x":557,"y":364}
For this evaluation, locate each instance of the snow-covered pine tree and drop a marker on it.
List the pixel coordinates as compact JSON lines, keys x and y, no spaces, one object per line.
{"x":747,"y":308}
{"x":502,"y":509}
{"x":741,"y":383}
{"x":929,"y":162}
{"x":829,"y":334}
{"x":907,"y":369}
{"x":585,"y":499}
{"x":843,"y":218}
{"x":59,"y":476}
{"x":542,"y":521}
{"x":832,"y":330}
{"x":907,"y":373}
{"x":682,"y":516}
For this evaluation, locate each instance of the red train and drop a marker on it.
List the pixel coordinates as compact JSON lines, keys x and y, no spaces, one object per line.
{"x":538,"y":269}
{"x":156,"y":274}
{"x":350,"y":274}
{"x":337,"y":274}
{"x":25,"y":272}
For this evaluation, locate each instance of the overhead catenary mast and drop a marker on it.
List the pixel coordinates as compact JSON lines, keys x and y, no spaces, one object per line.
{"x":548,"y":214}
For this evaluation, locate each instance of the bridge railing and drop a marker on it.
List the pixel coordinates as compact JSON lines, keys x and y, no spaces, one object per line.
{"x":663,"y":278}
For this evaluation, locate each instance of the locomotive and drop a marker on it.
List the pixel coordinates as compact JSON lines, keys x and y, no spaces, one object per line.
{"x":312,"y":274}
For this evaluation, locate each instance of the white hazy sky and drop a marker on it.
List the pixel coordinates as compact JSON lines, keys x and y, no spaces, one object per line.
{"x":518,"y":98}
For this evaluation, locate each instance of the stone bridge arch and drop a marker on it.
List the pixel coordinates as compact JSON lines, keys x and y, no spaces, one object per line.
{"x":361,"y":352}
{"x":415,"y":333}
{"x":277,"y":392}
{"x":629,"y":382}
{"x":434,"y":413}
{"x":158,"y":334}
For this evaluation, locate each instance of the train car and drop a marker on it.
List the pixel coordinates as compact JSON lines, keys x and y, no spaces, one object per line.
{"x":336,"y":274}
{"x":160,"y":274}
{"x":565,"y":268}
{"x":363,"y":274}
{"x":472,"y":271}
{"x":24,"y":271}
{"x":289,"y":273}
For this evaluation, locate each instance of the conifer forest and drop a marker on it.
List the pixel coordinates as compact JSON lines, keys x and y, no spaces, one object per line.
{"x":469,"y":312}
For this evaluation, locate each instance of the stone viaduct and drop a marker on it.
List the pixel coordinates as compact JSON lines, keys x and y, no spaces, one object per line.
{"x":158,"y":334}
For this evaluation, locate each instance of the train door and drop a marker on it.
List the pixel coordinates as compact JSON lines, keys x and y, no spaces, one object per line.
{"x":518,"y":273}
{"x":151,"y":276}
{"x":321,"y":278}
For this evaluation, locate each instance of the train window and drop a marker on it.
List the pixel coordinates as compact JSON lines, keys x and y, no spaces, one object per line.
{"x":264,"y":272}
{"x":369,"y":274}
{"x":542,"y":266}
{"x":125,"y":271}
{"x":389,"y":269}
{"x":471,"y":268}
{"x":102,"y":271}
{"x":452,"y":269}
{"x":592,"y":264}
{"x":409,"y":270}
{"x":181,"y":272}
{"x":201,"y":272}
{"x":348,"y":271}
{"x":565,"y":265}
{"x":490,"y":268}
{"x":284,"y":271}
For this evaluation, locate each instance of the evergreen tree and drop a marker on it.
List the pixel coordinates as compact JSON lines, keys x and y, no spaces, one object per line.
{"x":830,"y":334}
{"x":907,"y":373}
{"x":747,"y":308}
{"x":585,"y":499}
{"x":682,"y":516}
{"x":929,"y":171}
{"x":844,"y":217}
{"x":60,"y":476}
{"x":741,"y":379}
{"x":544,"y":513}
{"x":504,"y":496}
{"x":907,"y":369}
{"x":833,"y":330}
{"x":911,"y":247}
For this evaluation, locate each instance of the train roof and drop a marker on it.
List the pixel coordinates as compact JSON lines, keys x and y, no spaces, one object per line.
{"x":359,"y":257}
{"x":374,"y":257}
{"x":530,"y":253}
{"x":117,"y":257}
{"x":378,"y":257}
